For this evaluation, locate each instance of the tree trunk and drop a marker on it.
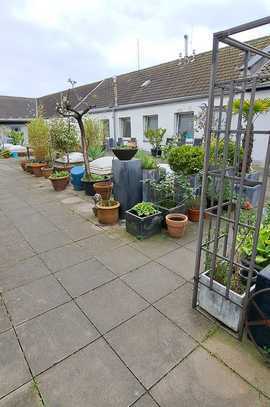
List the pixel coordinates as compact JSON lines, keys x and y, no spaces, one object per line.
{"x":250,"y":146}
{"x":84,"y":147}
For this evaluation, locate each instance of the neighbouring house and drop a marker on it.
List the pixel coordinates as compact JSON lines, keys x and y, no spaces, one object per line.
{"x":169,"y":95}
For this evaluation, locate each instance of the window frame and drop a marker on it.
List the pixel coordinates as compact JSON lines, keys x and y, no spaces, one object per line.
{"x":121,"y":122}
{"x":146,"y":125}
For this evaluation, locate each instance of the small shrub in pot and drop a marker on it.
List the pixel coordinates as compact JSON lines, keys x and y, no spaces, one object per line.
{"x":59,"y":180}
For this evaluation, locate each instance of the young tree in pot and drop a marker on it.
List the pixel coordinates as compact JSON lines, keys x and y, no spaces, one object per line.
{"x":143,"y":220}
{"x":38,"y":134}
{"x":155,"y":138}
{"x":63,"y":136}
{"x":260,"y":106}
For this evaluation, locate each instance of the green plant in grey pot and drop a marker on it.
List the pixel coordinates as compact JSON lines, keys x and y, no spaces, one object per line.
{"x":143,"y":220}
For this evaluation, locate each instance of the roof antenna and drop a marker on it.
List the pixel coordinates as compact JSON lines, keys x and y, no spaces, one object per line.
{"x":72,"y":82}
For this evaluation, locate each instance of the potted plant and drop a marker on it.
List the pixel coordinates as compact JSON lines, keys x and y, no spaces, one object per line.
{"x":150,"y":172}
{"x":193,"y":211}
{"x":46,"y":171}
{"x":186,"y":160}
{"x":17,"y":137}
{"x":176,"y":224}
{"x":155,"y":138}
{"x":103,"y":188}
{"x":88,"y":182}
{"x":107,"y":210}
{"x":214,"y":301}
{"x":124,"y":152}
{"x":38,"y":134}
{"x":143,"y":220}
{"x":59,"y":180}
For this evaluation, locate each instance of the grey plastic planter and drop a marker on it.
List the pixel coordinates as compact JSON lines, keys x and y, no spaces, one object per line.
{"x":147,"y":176}
{"x":214,"y":302}
{"x":251,"y":191}
{"x":145,"y":227}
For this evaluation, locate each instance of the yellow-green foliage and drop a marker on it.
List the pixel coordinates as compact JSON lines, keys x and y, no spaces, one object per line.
{"x":260,"y":106}
{"x":94,"y":132}
{"x":38,"y":133}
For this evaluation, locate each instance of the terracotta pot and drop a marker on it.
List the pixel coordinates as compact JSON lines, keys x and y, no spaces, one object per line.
{"x":104,"y":189}
{"x":36,"y":167}
{"x":29,"y":168}
{"x":59,"y":184}
{"x":176,"y":224}
{"x":63,"y":167}
{"x":46,"y":171}
{"x":193,"y":214}
{"x":108,"y":215}
{"x":23,"y":164}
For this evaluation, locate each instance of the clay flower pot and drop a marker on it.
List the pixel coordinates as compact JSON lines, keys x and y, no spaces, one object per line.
{"x":193,"y":214}
{"x":104,"y":189}
{"x":176,"y":224}
{"x":108,"y":215}
{"x":36,"y":167}
{"x":28,"y":167}
{"x":23,"y":164}
{"x":59,"y":183}
{"x":46,"y":171}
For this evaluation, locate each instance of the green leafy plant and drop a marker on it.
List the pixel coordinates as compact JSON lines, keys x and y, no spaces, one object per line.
{"x":63,"y":136}
{"x":59,"y":174}
{"x":155,"y":137}
{"x":221,"y":276}
{"x":17,"y":137}
{"x":94,"y":178}
{"x":5,"y":154}
{"x":186,"y":159}
{"x":95,"y":152}
{"x":143,"y":209}
{"x":94,"y":133}
{"x":217,"y":148}
{"x":148,"y":162}
{"x":171,"y":190}
{"x":38,"y":134}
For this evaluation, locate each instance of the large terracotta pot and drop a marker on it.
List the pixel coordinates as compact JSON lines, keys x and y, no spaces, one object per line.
{"x":176,"y":224}
{"x":193,"y":214}
{"x":104,"y":189}
{"x":46,"y":171}
{"x":28,"y":167}
{"x":59,"y":184}
{"x":108,"y":215}
{"x":36,"y":168}
{"x":23,"y":164}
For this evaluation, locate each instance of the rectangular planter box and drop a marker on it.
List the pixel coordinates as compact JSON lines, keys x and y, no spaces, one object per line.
{"x":251,"y":191}
{"x":215,"y":304}
{"x":143,"y":227}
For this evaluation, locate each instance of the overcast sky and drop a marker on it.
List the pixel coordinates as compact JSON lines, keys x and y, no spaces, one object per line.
{"x":44,"y":42}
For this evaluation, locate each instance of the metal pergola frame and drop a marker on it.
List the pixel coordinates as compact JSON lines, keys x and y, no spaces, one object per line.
{"x":244,"y":87}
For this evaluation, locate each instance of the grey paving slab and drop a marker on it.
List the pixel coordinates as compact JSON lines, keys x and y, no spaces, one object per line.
{"x":181,"y":261}
{"x":81,"y":230}
{"x":84,"y":277}
{"x":34,"y":298}
{"x":66,"y":256}
{"x":48,"y":241}
{"x":4,"y":319}
{"x":94,"y":377}
{"x":146,"y":401}
{"x":25,"y":396}
{"x":100,"y":243}
{"x":36,"y":224}
{"x":123,"y":259}
{"x":150,"y":345}
{"x":12,"y":253}
{"x":111,"y":304}
{"x":201,"y":380}
{"x":153,"y":281}
{"x":22,"y":273}
{"x":13,"y":368}
{"x":21,"y":214}
{"x":242,"y":357}
{"x":55,"y":335}
{"x":177,"y":306}
{"x":155,"y":246}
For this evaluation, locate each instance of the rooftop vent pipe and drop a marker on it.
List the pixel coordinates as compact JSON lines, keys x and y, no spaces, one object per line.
{"x":186,"y":45}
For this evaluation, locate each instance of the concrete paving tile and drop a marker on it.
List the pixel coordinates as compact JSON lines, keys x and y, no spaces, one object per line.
{"x":177,"y":306}
{"x":84,"y":277}
{"x":66,"y":256}
{"x":100,"y":243}
{"x":181,"y":261}
{"x":71,"y":200}
{"x":242,"y":357}
{"x":150,"y":345}
{"x":48,"y":241}
{"x":34,"y":298}
{"x":55,"y":335}
{"x":92,"y":377}
{"x":155,"y":246}
{"x":123,"y":259}
{"x":111,"y":304}
{"x":82,"y":230}
{"x":14,"y":252}
{"x":4,"y":319}
{"x":146,"y":401}
{"x":201,"y":380}
{"x":25,"y":396}
{"x":36,"y":224}
{"x":153,"y":281}
{"x":22,"y":273}
{"x":13,"y":368}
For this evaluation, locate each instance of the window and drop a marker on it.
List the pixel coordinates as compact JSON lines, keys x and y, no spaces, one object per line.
{"x":106,"y":127}
{"x":125,"y":127}
{"x":150,"y":122}
{"x":184,"y":126}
